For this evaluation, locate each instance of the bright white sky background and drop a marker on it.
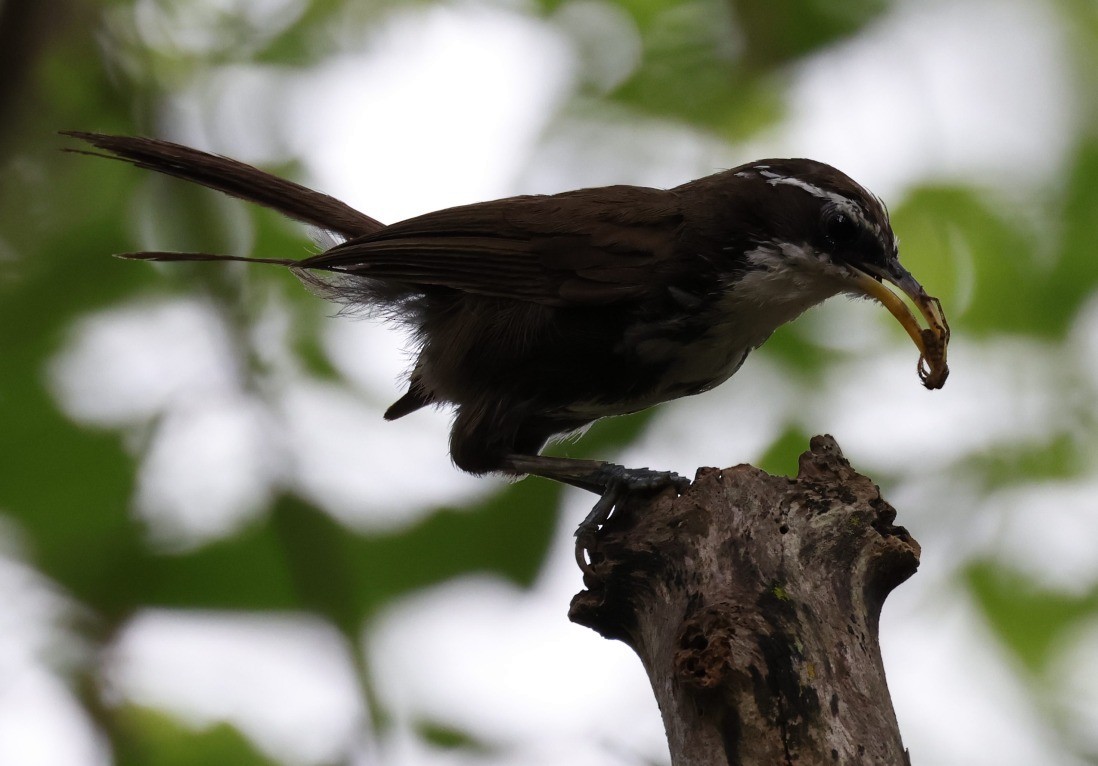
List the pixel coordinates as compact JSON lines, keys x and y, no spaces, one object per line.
{"x":450,"y":104}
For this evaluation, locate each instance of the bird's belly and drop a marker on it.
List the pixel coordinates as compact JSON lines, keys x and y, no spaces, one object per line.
{"x":690,"y":368}
{"x":680,"y":359}
{"x":672,"y":369}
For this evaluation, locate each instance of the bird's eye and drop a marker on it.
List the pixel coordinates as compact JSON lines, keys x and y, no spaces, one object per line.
{"x":839,"y":228}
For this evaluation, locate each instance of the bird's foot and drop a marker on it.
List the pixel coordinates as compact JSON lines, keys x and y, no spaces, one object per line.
{"x":612,"y":482}
{"x":618,"y":482}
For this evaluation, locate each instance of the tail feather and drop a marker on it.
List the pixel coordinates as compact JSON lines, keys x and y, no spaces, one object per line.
{"x":234,"y":178}
{"x":416,"y":397}
{"x":154,"y":255}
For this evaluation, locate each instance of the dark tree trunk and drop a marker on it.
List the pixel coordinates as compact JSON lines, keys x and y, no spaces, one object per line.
{"x":753,"y":602}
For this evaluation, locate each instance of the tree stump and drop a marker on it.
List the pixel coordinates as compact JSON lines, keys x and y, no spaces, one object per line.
{"x":753,"y":601}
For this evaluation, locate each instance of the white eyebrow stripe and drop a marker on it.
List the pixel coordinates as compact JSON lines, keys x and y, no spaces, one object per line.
{"x":773,"y":179}
{"x":843,"y":203}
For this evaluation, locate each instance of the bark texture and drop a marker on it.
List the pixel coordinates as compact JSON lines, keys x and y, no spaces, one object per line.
{"x":753,"y":601}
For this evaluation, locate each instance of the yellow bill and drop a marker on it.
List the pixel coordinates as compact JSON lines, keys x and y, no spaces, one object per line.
{"x":932,"y":341}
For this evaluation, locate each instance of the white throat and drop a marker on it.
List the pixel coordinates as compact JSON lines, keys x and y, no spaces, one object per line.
{"x":786,"y":281}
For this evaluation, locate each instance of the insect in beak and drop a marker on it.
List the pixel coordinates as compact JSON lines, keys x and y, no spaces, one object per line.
{"x":933,"y":340}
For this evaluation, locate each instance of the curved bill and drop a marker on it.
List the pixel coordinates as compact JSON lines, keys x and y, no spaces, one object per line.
{"x":931,"y":341}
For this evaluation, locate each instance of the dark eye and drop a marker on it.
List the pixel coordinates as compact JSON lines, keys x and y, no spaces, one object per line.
{"x":840,"y":228}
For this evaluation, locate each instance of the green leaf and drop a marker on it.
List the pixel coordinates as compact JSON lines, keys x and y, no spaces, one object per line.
{"x":144,"y":737}
{"x":507,"y":535}
{"x":691,"y":71}
{"x":448,"y":738}
{"x":1013,"y":464}
{"x":776,"y":32}
{"x":68,"y":488}
{"x":1021,"y":280}
{"x":797,"y":353}
{"x":783,"y":456}
{"x":957,"y":244}
{"x":1030,"y":620}
{"x":1075,"y":271}
{"x":300,"y":558}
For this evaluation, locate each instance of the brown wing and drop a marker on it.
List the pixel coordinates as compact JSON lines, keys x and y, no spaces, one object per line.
{"x":592,"y":246}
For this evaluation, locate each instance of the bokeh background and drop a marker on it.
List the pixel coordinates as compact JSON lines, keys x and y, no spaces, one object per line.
{"x":212,"y":548}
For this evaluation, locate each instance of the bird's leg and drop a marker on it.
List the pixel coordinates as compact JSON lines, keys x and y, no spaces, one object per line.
{"x":593,"y":475}
{"x":612,"y":482}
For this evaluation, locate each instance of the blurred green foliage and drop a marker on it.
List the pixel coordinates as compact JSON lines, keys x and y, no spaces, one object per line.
{"x":1032,"y":620}
{"x":147,"y":737}
{"x":717,"y":66}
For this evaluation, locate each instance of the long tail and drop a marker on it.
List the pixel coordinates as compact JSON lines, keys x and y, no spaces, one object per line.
{"x":158,"y":255}
{"x":233,"y":178}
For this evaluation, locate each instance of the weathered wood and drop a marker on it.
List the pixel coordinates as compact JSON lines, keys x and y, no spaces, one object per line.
{"x":753,"y":601}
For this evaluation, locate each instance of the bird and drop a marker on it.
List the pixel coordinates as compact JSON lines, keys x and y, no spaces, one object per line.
{"x":534,"y":316}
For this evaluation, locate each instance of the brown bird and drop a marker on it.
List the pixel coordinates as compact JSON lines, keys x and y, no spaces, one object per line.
{"x":534,"y":316}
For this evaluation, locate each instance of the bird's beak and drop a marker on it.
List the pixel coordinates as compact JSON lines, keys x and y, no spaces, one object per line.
{"x":933,"y":340}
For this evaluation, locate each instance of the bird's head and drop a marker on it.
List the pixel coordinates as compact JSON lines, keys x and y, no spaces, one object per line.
{"x":805,"y":231}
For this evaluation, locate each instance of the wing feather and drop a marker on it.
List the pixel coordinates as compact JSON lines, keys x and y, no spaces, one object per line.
{"x":592,"y":246}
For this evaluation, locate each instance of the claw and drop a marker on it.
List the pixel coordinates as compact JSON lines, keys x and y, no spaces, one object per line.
{"x":619,"y":482}
{"x":612,"y":482}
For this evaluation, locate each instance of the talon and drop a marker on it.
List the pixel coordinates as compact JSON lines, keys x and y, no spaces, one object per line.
{"x":620,"y":481}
